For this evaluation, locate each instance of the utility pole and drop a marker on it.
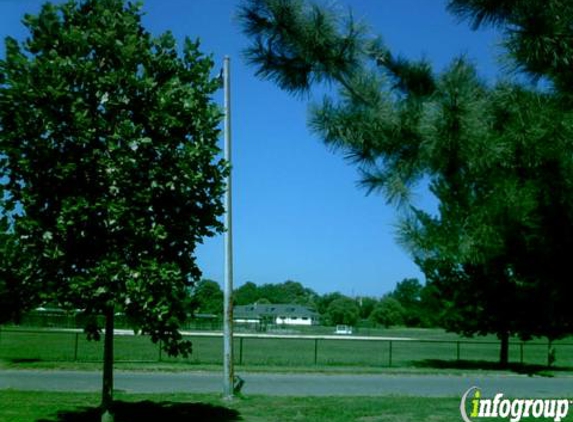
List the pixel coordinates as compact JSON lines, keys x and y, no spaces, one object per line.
{"x":228,"y":370}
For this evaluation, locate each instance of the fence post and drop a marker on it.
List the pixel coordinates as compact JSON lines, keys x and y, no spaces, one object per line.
{"x":159,"y":346}
{"x":389,"y":353}
{"x":550,"y":353}
{"x":76,"y":343}
{"x":458,"y":350}
{"x":521,"y":353}
{"x":316,"y":351}
{"x":241,"y":350}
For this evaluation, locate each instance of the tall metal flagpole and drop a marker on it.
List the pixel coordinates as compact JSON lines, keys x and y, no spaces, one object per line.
{"x":228,"y":370}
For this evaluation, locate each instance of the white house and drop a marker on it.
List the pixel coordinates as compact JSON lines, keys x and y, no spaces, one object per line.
{"x":278,"y":314}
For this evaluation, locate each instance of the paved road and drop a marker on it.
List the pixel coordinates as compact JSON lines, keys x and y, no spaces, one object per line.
{"x":294,"y":384}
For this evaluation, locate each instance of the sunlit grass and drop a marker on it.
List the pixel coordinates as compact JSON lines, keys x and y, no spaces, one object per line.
{"x":54,"y":349}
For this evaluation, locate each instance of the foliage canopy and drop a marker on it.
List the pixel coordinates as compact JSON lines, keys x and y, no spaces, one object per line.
{"x":498,"y":157}
{"x":109,"y":165}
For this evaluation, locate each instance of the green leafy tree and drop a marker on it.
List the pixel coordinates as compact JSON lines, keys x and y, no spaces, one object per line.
{"x":407,"y":292}
{"x":477,"y":300}
{"x":422,"y":303}
{"x":497,"y":158}
{"x":17,"y":288}
{"x":247,"y":294}
{"x":108,"y":144}
{"x":366,"y":305}
{"x":431,"y":306}
{"x":388,"y":312}
{"x":539,"y":44}
{"x":263,"y":301}
{"x":207,"y":298}
{"x":325,"y":300}
{"x":344,"y":311}
{"x":289,"y":292}
{"x":492,"y":232}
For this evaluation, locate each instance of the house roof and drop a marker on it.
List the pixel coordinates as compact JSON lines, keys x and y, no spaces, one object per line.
{"x":258,"y":310}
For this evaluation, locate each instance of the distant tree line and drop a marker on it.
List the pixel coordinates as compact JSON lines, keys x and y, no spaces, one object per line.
{"x":410,"y":304}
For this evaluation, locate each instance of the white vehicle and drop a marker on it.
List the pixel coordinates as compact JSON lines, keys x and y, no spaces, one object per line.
{"x":343,"y":329}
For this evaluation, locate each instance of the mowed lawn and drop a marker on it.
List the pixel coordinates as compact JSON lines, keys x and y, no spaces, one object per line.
{"x":428,"y":348}
{"x":16,"y":406}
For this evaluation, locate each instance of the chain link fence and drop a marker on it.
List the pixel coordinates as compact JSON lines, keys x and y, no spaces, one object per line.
{"x":71,"y":345}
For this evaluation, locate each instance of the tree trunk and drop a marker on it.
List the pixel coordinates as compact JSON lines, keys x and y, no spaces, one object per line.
{"x":107,"y":391}
{"x":504,"y":349}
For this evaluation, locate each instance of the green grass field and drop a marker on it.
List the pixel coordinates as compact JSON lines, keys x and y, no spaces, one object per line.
{"x":430,"y":349}
{"x":16,"y":406}
{"x":433,"y":351}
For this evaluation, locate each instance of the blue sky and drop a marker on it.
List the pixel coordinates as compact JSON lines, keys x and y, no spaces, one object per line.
{"x":298,"y":213}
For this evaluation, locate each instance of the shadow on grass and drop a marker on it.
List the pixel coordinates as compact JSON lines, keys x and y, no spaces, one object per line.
{"x":16,"y":361}
{"x":151,"y":411}
{"x":527,"y":369}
